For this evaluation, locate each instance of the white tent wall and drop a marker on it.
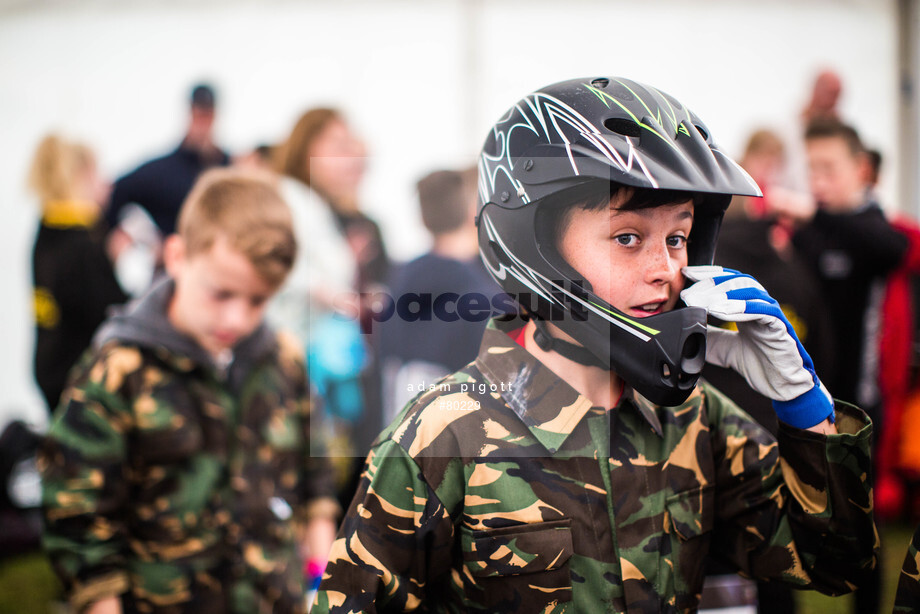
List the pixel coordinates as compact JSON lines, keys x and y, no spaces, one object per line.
{"x":421,"y":81}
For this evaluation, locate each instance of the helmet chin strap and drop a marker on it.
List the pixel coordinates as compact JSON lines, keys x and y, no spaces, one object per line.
{"x":577,"y":353}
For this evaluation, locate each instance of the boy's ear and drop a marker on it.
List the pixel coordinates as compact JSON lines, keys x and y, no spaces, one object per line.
{"x":865,"y":167}
{"x":173,"y":254}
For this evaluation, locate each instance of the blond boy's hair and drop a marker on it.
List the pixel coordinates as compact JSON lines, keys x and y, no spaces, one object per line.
{"x":245,"y":208}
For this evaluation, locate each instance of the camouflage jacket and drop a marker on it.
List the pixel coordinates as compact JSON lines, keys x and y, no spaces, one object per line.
{"x":176,"y":485}
{"x":907,"y":598}
{"x":504,"y":490}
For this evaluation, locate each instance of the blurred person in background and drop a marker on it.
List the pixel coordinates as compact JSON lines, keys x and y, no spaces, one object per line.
{"x":180,"y":474}
{"x":73,"y":280}
{"x":850,"y":246}
{"x":261,"y":158}
{"x":823,"y":104}
{"x":160,"y":185}
{"x":322,"y":164}
{"x":331,"y":159}
{"x":825,"y":96}
{"x":326,"y":268}
{"x":755,"y":240}
{"x":418,"y":351}
{"x":875,"y":167}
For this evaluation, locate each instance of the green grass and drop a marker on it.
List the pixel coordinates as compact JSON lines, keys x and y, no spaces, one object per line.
{"x":28,"y":585}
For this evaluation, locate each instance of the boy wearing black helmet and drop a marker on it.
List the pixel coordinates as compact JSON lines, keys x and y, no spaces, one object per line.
{"x":578,"y":464}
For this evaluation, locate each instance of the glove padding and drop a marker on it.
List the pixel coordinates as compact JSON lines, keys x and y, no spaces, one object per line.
{"x":765,"y":350}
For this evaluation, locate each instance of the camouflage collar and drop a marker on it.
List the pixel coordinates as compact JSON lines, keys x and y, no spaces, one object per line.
{"x":656,"y":414}
{"x":548,"y":406}
{"x":646,"y":408}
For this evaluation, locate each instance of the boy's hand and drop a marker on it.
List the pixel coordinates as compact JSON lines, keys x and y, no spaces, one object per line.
{"x":797,"y":207}
{"x":765,"y":349}
{"x":108,"y":605}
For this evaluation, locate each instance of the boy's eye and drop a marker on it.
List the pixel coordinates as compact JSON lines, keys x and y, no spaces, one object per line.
{"x":222,"y":295}
{"x":626,"y":239}
{"x":677,"y":242}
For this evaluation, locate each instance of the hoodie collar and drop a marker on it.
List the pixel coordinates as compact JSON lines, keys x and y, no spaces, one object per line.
{"x":144,"y":323}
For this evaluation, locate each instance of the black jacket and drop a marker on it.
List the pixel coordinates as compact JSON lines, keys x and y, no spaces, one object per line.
{"x":849,"y":252}
{"x":73,"y":285}
{"x":161,"y":185}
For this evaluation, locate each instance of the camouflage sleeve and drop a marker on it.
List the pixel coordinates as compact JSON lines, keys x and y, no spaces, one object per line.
{"x":828,"y":482}
{"x":84,"y":486}
{"x":318,"y":490}
{"x":394,"y":544}
{"x":907,"y":598}
{"x":799,"y":511}
{"x":315,"y":492}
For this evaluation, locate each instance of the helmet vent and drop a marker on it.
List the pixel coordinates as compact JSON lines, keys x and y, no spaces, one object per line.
{"x":702,"y":132}
{"x":622,"y":125}
{"x":693,"y":354}
{"x":601,"y":82}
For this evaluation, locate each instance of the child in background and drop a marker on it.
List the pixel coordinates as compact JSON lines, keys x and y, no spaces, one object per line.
{"x":74,"y":283}
{"x":417,"y":351}
{"x":178,"y":474}
{"x":851,"y":247}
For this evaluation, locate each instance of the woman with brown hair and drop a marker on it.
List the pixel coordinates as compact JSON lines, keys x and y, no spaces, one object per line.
{"x":343,"y":259}
{"x":324,"y":154}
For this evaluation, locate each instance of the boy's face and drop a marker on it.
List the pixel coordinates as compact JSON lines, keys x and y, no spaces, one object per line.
{"x":632,"y":259}
{"x":219,"y":299}
{"x":838,"y":176}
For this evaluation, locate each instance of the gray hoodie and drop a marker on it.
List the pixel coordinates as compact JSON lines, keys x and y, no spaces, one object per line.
{"x":144,"y":323}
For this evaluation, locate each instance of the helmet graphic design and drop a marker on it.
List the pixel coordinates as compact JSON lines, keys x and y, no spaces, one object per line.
{"x":553,"y":148}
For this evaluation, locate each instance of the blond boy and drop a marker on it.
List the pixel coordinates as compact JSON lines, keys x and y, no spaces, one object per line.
{"x":179,"y":464}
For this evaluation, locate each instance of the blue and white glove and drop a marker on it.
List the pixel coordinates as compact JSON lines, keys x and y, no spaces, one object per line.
{"x":765,"y":349}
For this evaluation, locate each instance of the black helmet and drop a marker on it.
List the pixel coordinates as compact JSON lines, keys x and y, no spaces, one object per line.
{"x":550,"y":149}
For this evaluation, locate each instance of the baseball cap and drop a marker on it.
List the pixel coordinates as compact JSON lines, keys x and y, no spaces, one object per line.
{"x":203,"y":96}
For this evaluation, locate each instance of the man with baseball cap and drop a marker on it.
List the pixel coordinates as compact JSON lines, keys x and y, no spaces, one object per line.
{"x":160,"y":185}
